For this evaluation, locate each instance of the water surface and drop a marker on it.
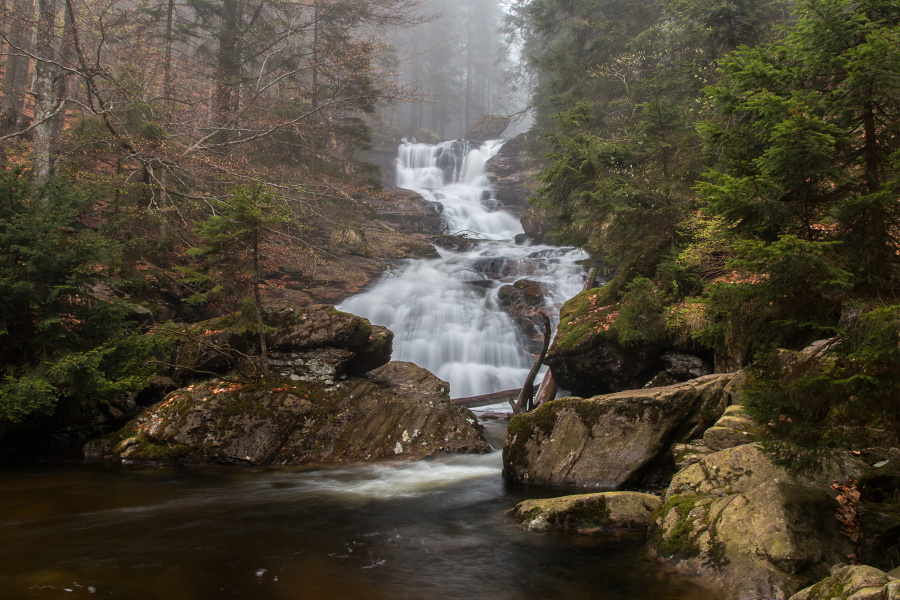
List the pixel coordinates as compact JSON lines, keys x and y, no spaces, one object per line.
{"x":394,"y":530}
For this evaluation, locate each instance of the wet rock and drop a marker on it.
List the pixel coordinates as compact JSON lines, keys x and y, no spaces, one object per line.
{"x":487,"y":127}
{"x":612,"y":441}
{"x":538,"y":224}
{"x":520,"y":300}
{"x":751,"y":526}
{"x":587,"y":513}
{"x":398,"y":410}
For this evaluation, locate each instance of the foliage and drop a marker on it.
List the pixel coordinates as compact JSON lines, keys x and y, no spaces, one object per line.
{"x":58,"y":337}
{"x":641,"y":314}
{"x":807,"y":137}
{"x":848,"y":394}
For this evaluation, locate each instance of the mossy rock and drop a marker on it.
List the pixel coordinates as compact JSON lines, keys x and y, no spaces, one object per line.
{"x":587,"y":513}
{"x":860,"y":582}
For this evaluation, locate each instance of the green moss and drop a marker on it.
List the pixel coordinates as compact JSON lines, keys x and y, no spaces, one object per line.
{"x":153,"y":452}
{"x":582,"y":319}
{"x":589,"y":412}
{"x":679,"y":541}
{"x":582,"y":514}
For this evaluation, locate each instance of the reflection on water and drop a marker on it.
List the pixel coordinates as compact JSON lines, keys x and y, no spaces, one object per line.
{"x":435,"y":529}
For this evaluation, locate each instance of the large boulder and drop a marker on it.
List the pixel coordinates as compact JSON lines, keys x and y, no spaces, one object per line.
{"x":751,"y":526}
{"x":586,"y":357}
{"x":587,"y":513}
{"x":397,"y":410}
{"x":612,"y":441}
{"x":305,"y":343}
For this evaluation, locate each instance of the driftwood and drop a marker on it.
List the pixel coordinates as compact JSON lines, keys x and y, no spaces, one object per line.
{"x":525,"y":401}
{"x":547,"y":391}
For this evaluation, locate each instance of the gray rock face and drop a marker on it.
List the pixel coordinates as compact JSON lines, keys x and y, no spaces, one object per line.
{"x":610,"y":441}
{"x":587,"y":513}
{"x":399,"y":409}
{"x":734,"y":428}
{"x":751,"y":526}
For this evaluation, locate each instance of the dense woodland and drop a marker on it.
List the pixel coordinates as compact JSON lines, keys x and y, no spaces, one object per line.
{"x":734,"y":161}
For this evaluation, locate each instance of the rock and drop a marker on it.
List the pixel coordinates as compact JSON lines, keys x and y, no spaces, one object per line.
{"x":734,"y":428}
{"x":316,"y":342}
{"x":859,"y":582}
{"x":519,"y":297}
{"x":487,"y":127}
{"x":586,"y":357}
{"x":683,"y":366}
{"x":538,"y":224}
{"x":399,"y":409}
{"x":751,"y":526}
{"x":588,"y":513}
{"x":612,"y":441}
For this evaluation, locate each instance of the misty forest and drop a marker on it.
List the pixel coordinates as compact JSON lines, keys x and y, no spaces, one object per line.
{"x":337,"y":299}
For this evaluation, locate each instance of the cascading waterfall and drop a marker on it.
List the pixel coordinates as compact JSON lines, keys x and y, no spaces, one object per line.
{"x":445,"y":312}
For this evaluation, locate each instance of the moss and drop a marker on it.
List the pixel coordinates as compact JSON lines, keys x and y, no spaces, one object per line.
{"x":589,"y":412}
{"x":153,"y":452}
{"x":520,"y":431}
{"x":583,"y":513}
{"x":679,"y":541}
{"x":583,"y":318}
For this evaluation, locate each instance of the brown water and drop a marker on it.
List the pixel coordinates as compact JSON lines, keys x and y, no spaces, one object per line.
{"x":396,"y":531}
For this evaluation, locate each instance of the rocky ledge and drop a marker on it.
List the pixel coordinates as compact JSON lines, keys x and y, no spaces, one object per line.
{"x":328,"y":394}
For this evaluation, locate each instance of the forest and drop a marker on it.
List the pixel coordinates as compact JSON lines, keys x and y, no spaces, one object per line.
{"x":735,"y":163}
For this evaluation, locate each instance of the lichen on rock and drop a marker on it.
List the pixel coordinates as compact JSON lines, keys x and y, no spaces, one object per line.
{"x":753,"y":527}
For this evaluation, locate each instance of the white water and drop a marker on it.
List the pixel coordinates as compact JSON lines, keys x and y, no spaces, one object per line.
{"x":444,"y":312}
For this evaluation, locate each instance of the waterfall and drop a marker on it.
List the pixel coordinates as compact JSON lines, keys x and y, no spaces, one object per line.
{"x":445,"y":312}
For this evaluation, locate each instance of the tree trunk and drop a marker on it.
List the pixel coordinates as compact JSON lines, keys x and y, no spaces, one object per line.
{"x":228,"y":66}
{"x":45,"y":89}
{"x":168,"y":82}
{"x":257,"y":297}
{"x":525,"y":401}
{"x":16,"y":76}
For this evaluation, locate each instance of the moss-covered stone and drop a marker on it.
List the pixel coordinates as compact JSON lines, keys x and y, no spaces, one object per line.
{"x":587,"y":513}
{"x":752,"y":526}
{"x":609,"y":441}
{"x":859,"y":582}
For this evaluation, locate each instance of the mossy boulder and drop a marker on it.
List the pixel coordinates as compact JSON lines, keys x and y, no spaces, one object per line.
{"x":587,"y":513}
{"x":751,"y":526}
{"x":859,"y":582}
{"x":586,"y":357}
{"x":398,"y":410}
{"x":611,"y":441}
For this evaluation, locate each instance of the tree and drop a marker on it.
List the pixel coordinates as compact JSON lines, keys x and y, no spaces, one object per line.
{"x":808,"y":134}
{"x":59,"y":338}
{"x":230,"y":251}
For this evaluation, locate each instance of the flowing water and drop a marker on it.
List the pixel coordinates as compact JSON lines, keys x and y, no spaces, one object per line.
{"x":397,"y":530}
{"x":445,"y":312}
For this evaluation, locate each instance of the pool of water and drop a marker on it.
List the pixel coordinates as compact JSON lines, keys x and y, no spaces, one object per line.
{"x":393,"y":530}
